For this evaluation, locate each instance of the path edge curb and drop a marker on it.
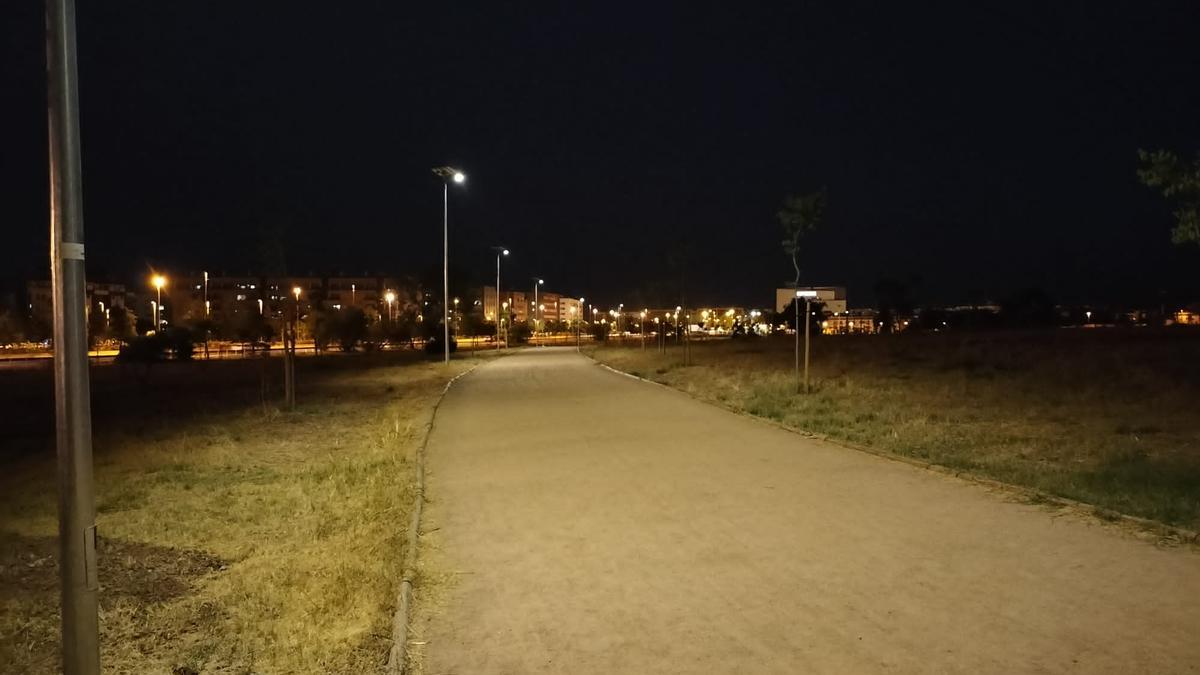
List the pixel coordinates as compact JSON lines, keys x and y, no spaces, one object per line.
{"x":1184,"y":536}
{"x":397,"y":662}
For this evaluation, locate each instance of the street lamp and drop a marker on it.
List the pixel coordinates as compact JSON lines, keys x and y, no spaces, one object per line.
{"x":447,"y":174}
{"x":808,"y":296}
{"x":642,"y":328}
{"x":500,"y":252}
{"x":158,"y":281}
{"x":536,"y":282}
{"x":390,"y":297}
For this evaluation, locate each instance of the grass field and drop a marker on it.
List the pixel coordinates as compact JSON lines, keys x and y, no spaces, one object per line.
{"x":234,"y":537}
{"x":1106,"y":417}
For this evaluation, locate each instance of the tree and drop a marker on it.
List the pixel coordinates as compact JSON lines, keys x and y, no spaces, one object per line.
{"x":11,"y":330}
{"x":97,"y":327}
{"x":352,"y":328}
{"x":795,"y":308}
{"x":799,"y":216}
{"x":251,"y":327}
{"x":1178,"y":181}
{"x":121,"y":323}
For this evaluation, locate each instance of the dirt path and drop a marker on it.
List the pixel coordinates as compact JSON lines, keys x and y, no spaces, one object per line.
{"x":590,"y":523}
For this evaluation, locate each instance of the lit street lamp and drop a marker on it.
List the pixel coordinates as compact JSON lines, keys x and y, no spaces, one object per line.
{"x":642,"y":328}
{"x":158,"y":281}
{"x":536,"y":282}
{"x":390,"y":297}
{"x":500,"y":251}
{"x":447,"y":174}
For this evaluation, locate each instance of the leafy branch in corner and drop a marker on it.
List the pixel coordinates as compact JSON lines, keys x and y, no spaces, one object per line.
{"x":1178,"y":181}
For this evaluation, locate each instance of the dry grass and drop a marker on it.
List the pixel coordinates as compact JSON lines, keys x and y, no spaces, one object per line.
{"x":235,"y":540}
{"x":1104,"y":417}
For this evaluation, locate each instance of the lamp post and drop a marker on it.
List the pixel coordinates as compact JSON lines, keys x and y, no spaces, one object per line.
{"x":500,"y":252}
{"x":642,"y":328}
{"x":289,"y":353}
{"x":73,"y":416}
{"x":390,"y":297}
{"x":808,"y":296}
{"x":158,"y":281}
{"x":447,"y":174}
{"x":533,"y":310}
{"x":207,"y":312}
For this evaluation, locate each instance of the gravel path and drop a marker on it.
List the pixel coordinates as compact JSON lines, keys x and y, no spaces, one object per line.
{"x":583,"y":522}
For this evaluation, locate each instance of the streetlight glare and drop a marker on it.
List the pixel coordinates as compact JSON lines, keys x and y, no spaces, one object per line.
{"x":389,"y":296}
{"x":459,"y":177}
{"x":296,"y":291}
{"x":158,"y":280}
{"x":505,"y":251}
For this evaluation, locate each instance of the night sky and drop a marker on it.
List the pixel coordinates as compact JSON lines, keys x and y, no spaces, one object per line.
{"x":621,"y":146}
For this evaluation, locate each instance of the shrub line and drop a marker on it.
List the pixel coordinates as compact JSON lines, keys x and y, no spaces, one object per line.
{"x":398,"y":655}
{"x":1162,"y":530}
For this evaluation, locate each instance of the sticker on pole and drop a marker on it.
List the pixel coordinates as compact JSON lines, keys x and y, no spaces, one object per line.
{"x":71,"y":251}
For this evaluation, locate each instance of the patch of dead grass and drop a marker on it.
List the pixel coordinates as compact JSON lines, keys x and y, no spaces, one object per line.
{"x":243,"y":540}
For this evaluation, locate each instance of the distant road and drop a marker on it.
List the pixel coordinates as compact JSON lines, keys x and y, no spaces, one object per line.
{"x":583,"y":522}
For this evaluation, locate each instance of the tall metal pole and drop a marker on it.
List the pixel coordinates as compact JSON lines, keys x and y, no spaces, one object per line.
{"x":807,"y":328}
{"x":797,"y":368}
{"x":72,"y":401}
{"x":206,"y":315}
{"x":497,"y":301}
{"x":446,"y":269}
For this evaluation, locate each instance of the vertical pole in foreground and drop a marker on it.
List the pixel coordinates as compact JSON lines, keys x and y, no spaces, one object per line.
{"x":797,"y":367}
{"x":446,"y":269}
{"x":76,"y":505}
{"x":807,"y":328}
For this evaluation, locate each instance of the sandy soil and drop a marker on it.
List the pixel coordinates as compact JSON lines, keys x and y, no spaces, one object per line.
{"x":583,"y":522}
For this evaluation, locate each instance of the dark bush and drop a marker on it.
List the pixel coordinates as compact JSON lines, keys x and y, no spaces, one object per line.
{"x":434,"y":346}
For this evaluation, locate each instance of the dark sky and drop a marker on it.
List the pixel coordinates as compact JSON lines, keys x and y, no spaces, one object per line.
{"x":979,"y":148}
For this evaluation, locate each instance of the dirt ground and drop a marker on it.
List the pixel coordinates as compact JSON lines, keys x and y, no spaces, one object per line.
{"x":581,"y":521}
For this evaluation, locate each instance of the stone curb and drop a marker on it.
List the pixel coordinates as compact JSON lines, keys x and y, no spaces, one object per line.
{"x":1161,"y":530}
{"x":398,"y":655}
